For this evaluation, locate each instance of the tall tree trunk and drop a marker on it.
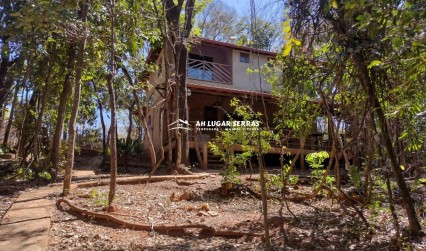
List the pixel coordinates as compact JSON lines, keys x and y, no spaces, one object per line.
{"x":36,"y":143}
{"x":130,"y":128}
{"x":113,"y":138}
{"x":168,"y":104}
{"x":101,"y":116}
{"x":370,"y":89}
{"x":63,"y":99}
{"x":24,"y":103}
{"x":3,"y":117}
{"x":104,"y":138}
{"x":76,"y":104}
{"x":264,"y":192}
{"x":11,"y":115}
{"x":177,"y":39}
{"x":27,"y":122}
{"x":5,"y":64}
{"x":183,"y":101}
{"x":142,"y":119}
{"x":169,"y":119}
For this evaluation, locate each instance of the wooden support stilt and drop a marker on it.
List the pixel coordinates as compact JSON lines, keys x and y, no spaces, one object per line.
{"x":205,"y":157}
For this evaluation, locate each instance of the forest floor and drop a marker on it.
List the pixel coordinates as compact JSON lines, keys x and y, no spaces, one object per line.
{"x":317,"y":224}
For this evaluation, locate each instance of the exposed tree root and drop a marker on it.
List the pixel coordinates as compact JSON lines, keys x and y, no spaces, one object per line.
{"x":183,"y":170}
{"x":148,"y":227}
{"x":138,"y":180}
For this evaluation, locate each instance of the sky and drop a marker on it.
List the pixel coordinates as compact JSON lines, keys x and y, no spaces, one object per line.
{"x":243,"y":6}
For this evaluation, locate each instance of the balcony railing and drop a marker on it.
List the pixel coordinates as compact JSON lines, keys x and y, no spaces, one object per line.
{"x":209,"y":71}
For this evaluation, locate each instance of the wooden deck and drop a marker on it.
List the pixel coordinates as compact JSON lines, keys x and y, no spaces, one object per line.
{"x":203,"y":152}
{"x":314,"y":143}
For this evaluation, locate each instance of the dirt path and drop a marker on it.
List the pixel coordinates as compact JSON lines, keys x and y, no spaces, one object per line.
{"x":85,"y":167}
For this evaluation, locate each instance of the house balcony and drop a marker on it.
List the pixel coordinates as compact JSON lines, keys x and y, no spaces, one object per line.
{"x":209,"y":71}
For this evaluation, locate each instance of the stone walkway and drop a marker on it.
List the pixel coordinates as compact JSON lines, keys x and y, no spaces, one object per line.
{"x":26,"y":225}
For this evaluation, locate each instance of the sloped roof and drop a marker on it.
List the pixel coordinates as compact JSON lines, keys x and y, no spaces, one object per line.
{"x":205,"y":41}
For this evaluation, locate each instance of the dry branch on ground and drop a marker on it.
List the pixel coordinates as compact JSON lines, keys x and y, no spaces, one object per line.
{"x":148,"y":227}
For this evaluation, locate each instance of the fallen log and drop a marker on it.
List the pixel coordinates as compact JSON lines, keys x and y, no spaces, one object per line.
{"x":149,"y":227}
{"x":141,"y":179}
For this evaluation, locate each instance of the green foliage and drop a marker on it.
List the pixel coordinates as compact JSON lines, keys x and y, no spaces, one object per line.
{"x":246,"y":137}
{"x":91,"y":137}
{"x":378,"y":195}
{"x":99,"y":198}
{"x":280,"y":180}
{"x":26,"y":173}
{"x":316,"y":161}
{"x":356,"y":176}
{"x":45,"y":175}
{"x":230,"y":176}
{"x":129,"y":147}
{"x":293,"y":83}
{"x":283,"y":178}
{"x":6,"y":149}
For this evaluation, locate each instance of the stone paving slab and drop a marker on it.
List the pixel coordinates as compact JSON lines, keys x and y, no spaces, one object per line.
{"x":26,"y":225}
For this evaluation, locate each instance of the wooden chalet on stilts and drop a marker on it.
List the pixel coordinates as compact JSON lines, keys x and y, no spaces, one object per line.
{"x":217,"y":72}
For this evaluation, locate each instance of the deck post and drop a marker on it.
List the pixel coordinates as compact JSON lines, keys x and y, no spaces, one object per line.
{"x":302,"y":161}
{"x":205,"y":157}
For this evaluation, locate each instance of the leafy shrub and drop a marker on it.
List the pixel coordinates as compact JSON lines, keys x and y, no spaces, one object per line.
{"x":129,"y":147}
{"x":316,"y":161}
{"x":355,"y":176}
{"x":100,"y":198}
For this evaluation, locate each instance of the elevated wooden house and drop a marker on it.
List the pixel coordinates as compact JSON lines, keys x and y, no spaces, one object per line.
{"x":216,"y":73}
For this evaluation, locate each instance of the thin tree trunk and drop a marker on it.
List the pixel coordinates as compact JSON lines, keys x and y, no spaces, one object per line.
{"x":113,"y":138}
{"x":36,"y":150}
{"x":392,"y":204}
{"x":29,"y":118}
{"x":3,"y":115}
{"x":66,"y":91}
{"x":130,"y":129}
{"x":142,"y":118}
{"x":24,"y":105}
{"x":101,"y":116}
{"x":264,"y":193}
{"x":168,"y":105}
{"x":178,"y":136}
{"x":5,"y":64}
{"x":169,"y":133}
{"x":104,"y":140}
{"x":415,"y":227}
{"x":12,"y":114}
{"x":76,"y":103}
{"x":183,"y":102}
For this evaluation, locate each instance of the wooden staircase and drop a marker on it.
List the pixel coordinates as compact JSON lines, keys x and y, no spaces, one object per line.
{"x":214,"y":161}
{"x":204,"y":156}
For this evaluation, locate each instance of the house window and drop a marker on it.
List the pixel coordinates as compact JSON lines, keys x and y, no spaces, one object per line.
{"x":244,"y":57}
{"x":200,"y":67}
